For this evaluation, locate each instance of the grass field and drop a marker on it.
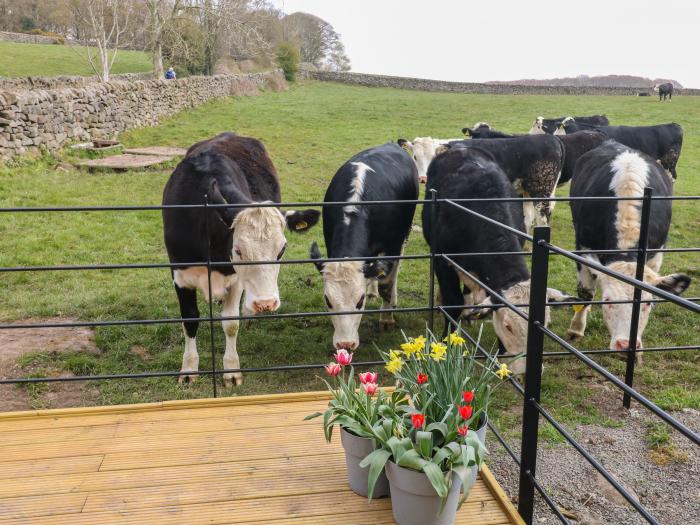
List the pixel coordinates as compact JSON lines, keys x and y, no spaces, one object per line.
{"x":42,"y":60}
{"x":310,"y":131}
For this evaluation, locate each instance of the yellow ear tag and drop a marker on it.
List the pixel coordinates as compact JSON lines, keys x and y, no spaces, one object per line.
{"x":302,"y":225}
{"x":381,"y":273}
{"x":577,"y":307}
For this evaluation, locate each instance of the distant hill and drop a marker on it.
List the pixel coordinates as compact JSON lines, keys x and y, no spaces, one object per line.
{"x":596,"y":81}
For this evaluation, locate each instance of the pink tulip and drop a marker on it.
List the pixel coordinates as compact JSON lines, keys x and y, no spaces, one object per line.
{"x":343,"y":357}
{"x":333,"y":369}
{"x":370,"y":388}
{"x":368,"y":377}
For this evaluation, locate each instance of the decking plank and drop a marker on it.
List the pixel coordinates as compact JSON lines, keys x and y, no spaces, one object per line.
{"x":12,"y":470}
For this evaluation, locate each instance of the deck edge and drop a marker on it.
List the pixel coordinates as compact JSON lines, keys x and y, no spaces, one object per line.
{"x":499,"y":494}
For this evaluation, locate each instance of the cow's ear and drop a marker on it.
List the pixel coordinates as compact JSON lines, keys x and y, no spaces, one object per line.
{"x":467,"y":131}
{"x":377,"y":269}
{"x":298,"y":221}
{"x":213,"y":196}
{"x":555,"y":296}
{"x":676,"y":283}
{"x":405,"y":144}
{"x":442,"y":148}
{"x":481,"y":311}
{"x":315,"y":253}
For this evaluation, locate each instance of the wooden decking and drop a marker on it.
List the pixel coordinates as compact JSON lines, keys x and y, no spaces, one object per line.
{"x":239,"y":460}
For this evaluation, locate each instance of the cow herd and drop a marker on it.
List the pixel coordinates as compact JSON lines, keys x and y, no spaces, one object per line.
{"x":365,"y":226}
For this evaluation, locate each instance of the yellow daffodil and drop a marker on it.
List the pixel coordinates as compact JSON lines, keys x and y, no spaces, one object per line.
{"x":420,"y":342}
{"x":409,"y":347}
{"x":454,"y":339}
{"x":394,"y":365}
{"x":503,"y":371}
{"x":394,"y":354}
{"x":437,"y":351}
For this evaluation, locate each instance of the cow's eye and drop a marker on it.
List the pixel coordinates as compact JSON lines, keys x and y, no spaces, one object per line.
{"x":281,"y":253}
{"x":361,"y":303}
{"x":328,"y":302}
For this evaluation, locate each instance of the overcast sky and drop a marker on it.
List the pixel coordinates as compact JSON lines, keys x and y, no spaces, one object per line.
{"x":468,"y":40}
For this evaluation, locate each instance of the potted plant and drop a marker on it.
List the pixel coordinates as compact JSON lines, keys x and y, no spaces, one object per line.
{"x":356,"y":407}
{"x":431,"y":448}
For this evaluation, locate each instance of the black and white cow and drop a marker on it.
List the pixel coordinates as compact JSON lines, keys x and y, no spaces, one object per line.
{"x":662,"y":142}
{"x":664,"y":90}
{"x":551,"y":125}
{"x":381,"y":173}
{"x":483,"y":130}
{"x":614,"y":170}
{"x":228,"y":169}
{"x":473,"y":173}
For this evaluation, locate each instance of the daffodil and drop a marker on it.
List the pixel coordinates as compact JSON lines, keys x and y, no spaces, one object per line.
{"x":420,"y":342}
{"x":394,"y":354}
{"x":394,"y":365}
{"x":438,"y":351}
{"x":454,"y":339}
{"x":409,"y":347}
{"x":503,"y":371}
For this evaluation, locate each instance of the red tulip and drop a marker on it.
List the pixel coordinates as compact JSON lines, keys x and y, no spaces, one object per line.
{"x":422,"y":378}
{"x":468,"y":396}
{"x":418,"y":420}
{"x":368,"y":377}
{"x":370,"y":388}
{"x":463,"y":430}
{"x":465,"y":411}
{"x":333,"y":369}
{"x":343,"y":357}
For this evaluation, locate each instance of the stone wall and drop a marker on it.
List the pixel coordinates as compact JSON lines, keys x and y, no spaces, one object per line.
{"x":363,"y":79}
{"x":50,"y":118}
{"x":24,"y":83}
{"x":24,"y":38}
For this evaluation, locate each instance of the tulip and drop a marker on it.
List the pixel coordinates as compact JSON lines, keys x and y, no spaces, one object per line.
{"x":370,"y":388}
{"x":468,"y":396}
{"x":368,"y":377}
{"x":463,"y":430}
{"x":465,"y":411}
{"x":343,"y":357}
{"x":422,"y":378}
{"x":418,"y":420}
{"x":333,"y":369}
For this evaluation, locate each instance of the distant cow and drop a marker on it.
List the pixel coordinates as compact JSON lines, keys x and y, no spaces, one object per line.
{"x":382,"y":173}
{"x":472,"y":173}
{"x":614,"y":170}
{"x":227,"y":169}
{"x":422,"y":150}
{"x":662,"y":142}
{"x":664,"y":90}
{"x":483,"y":130}
{"x":551,"y":125}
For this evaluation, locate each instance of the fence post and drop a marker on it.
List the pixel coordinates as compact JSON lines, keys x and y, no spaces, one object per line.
{"x":636,"y":304}
{"x":533,"y":372}
{"x":431,"y":286}
{"x":211,"y":307}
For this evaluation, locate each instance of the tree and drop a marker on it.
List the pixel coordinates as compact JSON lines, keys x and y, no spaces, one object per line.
{"x":337,"y":59}
{"x":161,"y":16}
{"x":288,"y":60}
{"x":314,"y":36}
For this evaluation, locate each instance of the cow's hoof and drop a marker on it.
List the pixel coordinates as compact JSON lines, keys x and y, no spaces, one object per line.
{"x":231,"y":380}
{"x":574,"y":337}
{"x":187,"y":380}
{"x":387,"y":325}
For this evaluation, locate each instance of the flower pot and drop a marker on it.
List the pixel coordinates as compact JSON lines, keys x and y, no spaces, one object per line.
{"x":414,"y":500}
{"x":474,"y":471}
{"x":356,"y":449}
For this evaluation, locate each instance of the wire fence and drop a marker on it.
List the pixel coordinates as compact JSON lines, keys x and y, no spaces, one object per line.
{"x":535,"y":315}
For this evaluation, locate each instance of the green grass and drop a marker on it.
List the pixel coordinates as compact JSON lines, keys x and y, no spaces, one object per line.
{"x":310,"y":131}
{"x":43,"y":60}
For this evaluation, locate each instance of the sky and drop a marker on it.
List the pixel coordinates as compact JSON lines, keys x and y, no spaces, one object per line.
{"x":476,"y":41}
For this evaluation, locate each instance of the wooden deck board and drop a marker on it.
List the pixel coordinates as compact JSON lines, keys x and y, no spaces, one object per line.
{"x":192,"y":462}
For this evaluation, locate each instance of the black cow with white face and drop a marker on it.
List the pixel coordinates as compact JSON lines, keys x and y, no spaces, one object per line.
{"x":381,"y":173}
{"x":662,"y":142}
{"x":664,"y":90}
{"x":473,"y":173}
{"x":551,"y":125}
{"x":227,"y":169}
{"x":615,"y":170}
{"x":483,"y":130}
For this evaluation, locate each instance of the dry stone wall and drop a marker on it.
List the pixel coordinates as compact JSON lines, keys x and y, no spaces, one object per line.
{"x":363,"y":79}
{"x":24,"y":38}
{"x":36,"y":119}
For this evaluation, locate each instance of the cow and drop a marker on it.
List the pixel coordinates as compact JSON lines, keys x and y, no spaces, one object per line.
{"x":662,"y":142}
{"x":226,"y":169}
{"x":664,"y":90}
{"x":615,"y":170}
{"x":382,"y":173}
{"x":483,"y":130}
{"x":551,"y":125}
{"x":422,"y":150}
{"x":473,"y":173}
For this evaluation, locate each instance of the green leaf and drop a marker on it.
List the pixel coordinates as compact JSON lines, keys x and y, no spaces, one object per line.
{"x":424,"y":440}
{"x":437,"y":479}
{"x":312,"y":416}
{"x":411,"y":459}
{"x":375,"y":461}
{"x":439,"y":427}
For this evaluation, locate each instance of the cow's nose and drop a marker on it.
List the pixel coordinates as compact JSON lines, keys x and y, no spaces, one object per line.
{"x":265,"y":306}
{"x":346,"y":345}
{"x":623,"y":344}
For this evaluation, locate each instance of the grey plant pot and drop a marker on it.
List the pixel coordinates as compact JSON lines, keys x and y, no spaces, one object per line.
{"x":356,"y":449}
{"x":474,"y":471}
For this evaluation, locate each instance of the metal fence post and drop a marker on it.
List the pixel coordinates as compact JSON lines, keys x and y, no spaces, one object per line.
{"x":636,"y":305}
{"x":211,"y":306}
{"x":533,"y":372}
{"x":431,"y":285}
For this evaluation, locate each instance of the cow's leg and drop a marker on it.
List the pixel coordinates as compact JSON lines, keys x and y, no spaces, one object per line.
{"x":232,"y":308}
{"x":656,"y":261}
{"x":373,"y":289}
{"x":388,"y":291}
{"x":586,"y":291}
{"x":529,"y":214}
{"x":450,"y":290}
{"x":188,"y":309}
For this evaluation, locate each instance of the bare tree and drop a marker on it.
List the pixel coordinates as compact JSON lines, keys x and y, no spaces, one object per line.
{"x":337,"y":58}
{"x":103,"y":24}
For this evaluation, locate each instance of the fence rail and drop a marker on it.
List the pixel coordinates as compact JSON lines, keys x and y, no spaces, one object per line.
{"x":533,"y":312}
